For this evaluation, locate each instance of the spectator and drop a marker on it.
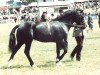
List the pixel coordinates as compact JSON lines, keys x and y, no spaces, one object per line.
{"x":15,"y":19}
{"x":44,"y":17}
{"x":90,"y":22}
{"x":52,"y":16}
{"x":60,"y":12}
{"x":99,"y":19}
{"x":27,"y":17}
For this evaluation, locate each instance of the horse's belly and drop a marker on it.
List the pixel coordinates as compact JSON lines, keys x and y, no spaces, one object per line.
{"x":44,"y":38}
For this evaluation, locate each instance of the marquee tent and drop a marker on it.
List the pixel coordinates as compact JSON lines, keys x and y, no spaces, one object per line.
{"x":81,"y":0}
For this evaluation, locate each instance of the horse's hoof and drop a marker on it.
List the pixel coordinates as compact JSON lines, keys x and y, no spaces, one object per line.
{"x":34,"y":66}
{"x":10,"y":63}
{"x":59,"y":64}
{"x":78,"y":59}
{"x":72,"y":58}
{"x":57,"y":60}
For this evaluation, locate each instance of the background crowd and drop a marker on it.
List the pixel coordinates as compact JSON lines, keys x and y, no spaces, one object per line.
{"x":91,"y":12}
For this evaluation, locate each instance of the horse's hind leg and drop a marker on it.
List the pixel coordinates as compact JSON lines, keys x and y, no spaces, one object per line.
{"x":14,"y":52}
{"x":58,"y":52}
{"x":27,"y":50}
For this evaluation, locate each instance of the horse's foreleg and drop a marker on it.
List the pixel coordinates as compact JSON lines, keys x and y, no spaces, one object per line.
{"x":65,"y":47}
{"x":58,"y":63}
{"x":27,"y":50}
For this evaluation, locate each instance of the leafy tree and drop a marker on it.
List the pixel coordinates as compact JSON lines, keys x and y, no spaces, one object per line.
{"x":29,"y":1}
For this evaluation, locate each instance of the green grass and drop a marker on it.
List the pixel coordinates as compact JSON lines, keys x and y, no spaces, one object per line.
{"x":44,"y":54}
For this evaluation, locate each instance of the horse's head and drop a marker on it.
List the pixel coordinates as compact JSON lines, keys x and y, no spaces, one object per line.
{"x":72,"y":16}
{"x":79,"y":18}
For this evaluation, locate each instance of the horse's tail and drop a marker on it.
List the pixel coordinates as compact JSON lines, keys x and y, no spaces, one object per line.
{"x":12,"y":39}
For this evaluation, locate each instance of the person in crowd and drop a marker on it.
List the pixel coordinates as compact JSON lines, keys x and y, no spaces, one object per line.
{"x":27,"y":17}
{"x":99,"y":19}
{"x":44,"y":17}
{"x":52,"y":16}
{"x":60,"y":12}
{"x":15,"y":19}
{"x":90,"y":22}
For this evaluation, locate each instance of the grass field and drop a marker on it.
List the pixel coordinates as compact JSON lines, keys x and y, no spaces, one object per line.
{"x":44,"y":54}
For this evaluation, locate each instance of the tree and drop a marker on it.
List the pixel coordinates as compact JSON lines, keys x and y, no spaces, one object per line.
{"x":29,"y":1}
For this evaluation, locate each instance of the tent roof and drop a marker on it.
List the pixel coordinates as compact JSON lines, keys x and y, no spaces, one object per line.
{"x":42,"y":4}
{"x":3,"y":8}
{"x":81,"y":0}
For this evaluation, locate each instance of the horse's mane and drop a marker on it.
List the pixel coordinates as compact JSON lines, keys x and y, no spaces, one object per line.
{"x":68,"y":13}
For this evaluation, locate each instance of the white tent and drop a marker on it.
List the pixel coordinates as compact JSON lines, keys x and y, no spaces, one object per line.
{"x":33,"y":4}
{"x":3,"y":3}
{"x":46,"y":4}
{"x":81,"y":0}
{"x":23,"y":7}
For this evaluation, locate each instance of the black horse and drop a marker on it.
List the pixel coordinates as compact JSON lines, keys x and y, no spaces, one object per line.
{"x":54,"y":31}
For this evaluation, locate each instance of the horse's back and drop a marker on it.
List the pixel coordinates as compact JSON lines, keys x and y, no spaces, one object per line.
{"x":50,"y":31}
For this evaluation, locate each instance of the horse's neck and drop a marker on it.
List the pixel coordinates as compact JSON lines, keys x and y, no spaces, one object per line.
{"x":69,"y":24}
